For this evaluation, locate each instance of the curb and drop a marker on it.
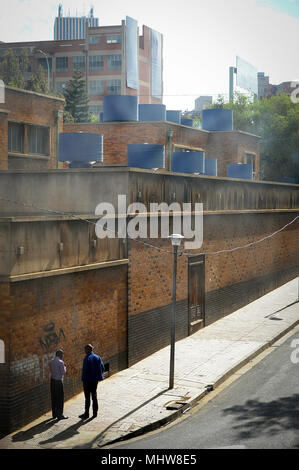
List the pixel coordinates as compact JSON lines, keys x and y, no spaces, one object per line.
{"x":168,"y":419}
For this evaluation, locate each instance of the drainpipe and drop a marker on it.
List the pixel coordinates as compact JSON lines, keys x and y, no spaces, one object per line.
{"x":169,"y":149}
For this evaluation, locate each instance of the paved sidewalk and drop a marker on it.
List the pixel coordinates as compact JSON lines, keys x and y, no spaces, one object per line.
{"x":135,"y":400}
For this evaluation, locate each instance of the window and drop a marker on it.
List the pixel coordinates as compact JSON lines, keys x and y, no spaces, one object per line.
{"x":44,"y":64}
{"x":113,"y":39}
{"x":62,"y":64}
{"x":113,"y":87}
{"x":94,"y":40}
{"x":78,"y":63}
{"x":96,"y":87}
{"x":38,"y":138}
{"x":15,"y":137}
{"x":114,"y":62}
{"x":61,"y":87}
{"x":96,"y":62}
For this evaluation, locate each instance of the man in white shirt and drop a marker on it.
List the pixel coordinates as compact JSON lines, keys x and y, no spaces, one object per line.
{"x":58,"y":370}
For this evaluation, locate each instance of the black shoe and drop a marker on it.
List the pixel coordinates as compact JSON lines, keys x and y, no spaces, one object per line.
{"x":95,"y":415}
{"x":84,"y":416}
{"x":62,"y":417}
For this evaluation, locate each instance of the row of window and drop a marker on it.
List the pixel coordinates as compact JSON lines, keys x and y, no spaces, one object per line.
{"x":96,"y":87}
{"x":95,"y":62}
{"x":110,"y":39}
{"x":38,"y":139}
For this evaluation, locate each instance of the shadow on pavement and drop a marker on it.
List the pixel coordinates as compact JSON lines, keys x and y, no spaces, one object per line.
{"x":269,"y":418}
{"x":66,"y":433}
{"x":31,"y":432}
{"x":101,"y":436}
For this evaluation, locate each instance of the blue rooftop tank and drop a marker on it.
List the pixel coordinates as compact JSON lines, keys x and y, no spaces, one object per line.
{"x":152,"y":112}
{"x":120,"y":108}
{"x":187,"y":122}
{"x":146,"y":156}
{"x":173,"y":116}
{"x":211,"y":166}
{"x":188,"y":162}
{"x":240,"y":170}
{"x":218,"y":119}
{"x":80,"y":147}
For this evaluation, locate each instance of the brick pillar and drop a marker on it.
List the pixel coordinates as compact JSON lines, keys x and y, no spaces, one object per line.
{"x":3,"y":139}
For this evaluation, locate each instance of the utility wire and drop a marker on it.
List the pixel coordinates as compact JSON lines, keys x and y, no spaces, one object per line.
{"x":182,"y":252}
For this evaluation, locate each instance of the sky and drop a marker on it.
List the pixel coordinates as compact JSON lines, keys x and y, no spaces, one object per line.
{"x":201,"y":37}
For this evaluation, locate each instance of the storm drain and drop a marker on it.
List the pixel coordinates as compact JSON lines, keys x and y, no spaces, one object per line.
{"x":175,"y":405}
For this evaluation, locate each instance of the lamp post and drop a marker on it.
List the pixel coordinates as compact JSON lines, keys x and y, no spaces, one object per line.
{"x":176,"y":239}
{"x":42,"y":52}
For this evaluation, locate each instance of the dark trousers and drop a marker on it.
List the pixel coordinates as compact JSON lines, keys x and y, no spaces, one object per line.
{"x":90,"y":390}
{"x":57,"y":398}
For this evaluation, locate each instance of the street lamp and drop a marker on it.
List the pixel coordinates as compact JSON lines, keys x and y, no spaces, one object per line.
{"x":176,"y":239}
{"x":42,"y":52}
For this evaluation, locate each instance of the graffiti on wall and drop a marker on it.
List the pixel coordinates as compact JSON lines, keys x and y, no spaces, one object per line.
{"x":51,"y":336}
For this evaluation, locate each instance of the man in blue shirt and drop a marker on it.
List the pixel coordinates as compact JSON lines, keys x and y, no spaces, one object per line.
{"x":92,"y":372}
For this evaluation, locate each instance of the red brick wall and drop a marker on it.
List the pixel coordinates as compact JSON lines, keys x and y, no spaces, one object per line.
{"x":3,"y":140}
{"x":230,"y":147}
{"x":118,"y":135}
{"x":68,"y":311}
{"x":228,"y":276}
{"x":31,"y":108}
{"x":227,"y":147}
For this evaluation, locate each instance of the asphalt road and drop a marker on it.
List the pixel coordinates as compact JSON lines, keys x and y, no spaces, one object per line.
{"x":259,"y":410}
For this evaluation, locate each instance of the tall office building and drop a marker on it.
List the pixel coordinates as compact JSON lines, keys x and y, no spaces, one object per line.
{"x":67,"y":27}
{"x":202,"y":102}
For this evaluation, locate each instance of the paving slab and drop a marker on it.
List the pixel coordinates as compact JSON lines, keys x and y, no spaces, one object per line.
{"x":138,"y":399}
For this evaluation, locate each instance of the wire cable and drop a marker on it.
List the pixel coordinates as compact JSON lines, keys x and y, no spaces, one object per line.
{"x":180,"y":253}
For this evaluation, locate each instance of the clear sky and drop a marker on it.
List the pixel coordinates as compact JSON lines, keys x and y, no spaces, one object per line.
{"x":201,"y":37}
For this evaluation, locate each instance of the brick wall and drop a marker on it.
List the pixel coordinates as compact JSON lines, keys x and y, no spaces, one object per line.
{"x":230,"y":147}
{"x":3,"y":139}
{"x":68,"y":311}
{"x":227,"y":147}
{"x":231,"y":279}
{"x":31,"y":108}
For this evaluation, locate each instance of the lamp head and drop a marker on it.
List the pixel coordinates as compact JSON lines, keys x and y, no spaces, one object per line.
{"x":176,"y":239}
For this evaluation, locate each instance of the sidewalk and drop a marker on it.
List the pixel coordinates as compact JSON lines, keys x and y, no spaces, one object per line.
{"x":136,"y":400}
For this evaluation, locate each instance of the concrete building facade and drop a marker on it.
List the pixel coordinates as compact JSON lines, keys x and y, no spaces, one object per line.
{"x":103,"y":59}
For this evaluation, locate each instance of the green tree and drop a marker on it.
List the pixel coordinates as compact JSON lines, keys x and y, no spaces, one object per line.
{"x":76,"y":100}
{"x":38,"y":82}
{"x":276,"y":121}
{"x":13,"y":68}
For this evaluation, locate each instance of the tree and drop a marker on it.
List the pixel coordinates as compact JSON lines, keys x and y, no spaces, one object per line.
{"x":13,"y":68}
{"x":38,"y":82}
{"x":76,"y":100}
{"x":276,"y":121}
